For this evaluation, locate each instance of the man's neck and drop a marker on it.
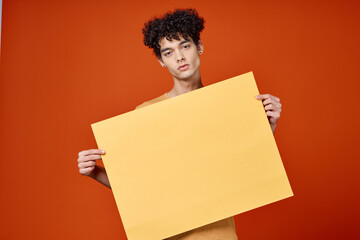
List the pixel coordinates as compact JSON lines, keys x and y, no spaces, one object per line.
{"x":184,"y":86}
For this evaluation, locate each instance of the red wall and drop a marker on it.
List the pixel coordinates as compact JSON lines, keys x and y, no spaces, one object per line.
{"x":67,"y":64}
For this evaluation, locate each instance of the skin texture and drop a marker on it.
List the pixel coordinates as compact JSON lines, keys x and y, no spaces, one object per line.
{"x":175,"y":53}
{"x":87,"y":165}
{"x":272,"y":108}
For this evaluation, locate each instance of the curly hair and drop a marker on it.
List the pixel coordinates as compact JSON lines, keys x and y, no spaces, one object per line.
{"x":184,"y":22}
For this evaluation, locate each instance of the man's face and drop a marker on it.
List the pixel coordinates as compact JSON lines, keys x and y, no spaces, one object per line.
{"x":181,"y":57}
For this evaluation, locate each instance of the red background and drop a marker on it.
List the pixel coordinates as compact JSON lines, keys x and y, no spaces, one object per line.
{"x":67,"y":64}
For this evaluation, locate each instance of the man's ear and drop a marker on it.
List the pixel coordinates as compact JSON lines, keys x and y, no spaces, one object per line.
{"x":200,"y":47}
{"x":161,"y":62}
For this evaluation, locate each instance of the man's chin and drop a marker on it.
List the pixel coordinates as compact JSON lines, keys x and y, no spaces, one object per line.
{"x":185,"y":76}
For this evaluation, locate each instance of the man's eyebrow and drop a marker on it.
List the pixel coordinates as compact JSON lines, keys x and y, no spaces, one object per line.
{"x":165,"y":49}
{"x":185,"y":41}
{"x":182,"y":42}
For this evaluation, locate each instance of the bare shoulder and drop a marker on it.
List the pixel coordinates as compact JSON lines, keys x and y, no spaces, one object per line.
{"x":152,"y":101}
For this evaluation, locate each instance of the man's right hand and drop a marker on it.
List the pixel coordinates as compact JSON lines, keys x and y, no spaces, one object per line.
{"x":87,"y":160}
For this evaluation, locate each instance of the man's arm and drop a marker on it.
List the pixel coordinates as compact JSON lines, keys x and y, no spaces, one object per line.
{"x":272,"y":108}
{"x":99,"y":174}
{"x":87,"y":166}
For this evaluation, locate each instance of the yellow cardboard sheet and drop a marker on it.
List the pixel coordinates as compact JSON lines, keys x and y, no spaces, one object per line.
{"x":192,"y":160}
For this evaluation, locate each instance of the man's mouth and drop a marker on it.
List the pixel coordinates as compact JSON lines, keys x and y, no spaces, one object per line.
{"x":183,"y":67}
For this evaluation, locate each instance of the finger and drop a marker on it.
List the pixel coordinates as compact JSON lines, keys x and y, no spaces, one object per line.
{"x":262,"y":96}
{"x":86,"y":171}
{"x":270,"y":100}
{"x":266,"y":96}
{"x":91,"y":151}
{"x":275,"y":98}
{"x":273,"y":114}
{"x":86,"y":164}
{"x":273,"y":105}
{"x":270,"y":107}
{"x":89,"y":158}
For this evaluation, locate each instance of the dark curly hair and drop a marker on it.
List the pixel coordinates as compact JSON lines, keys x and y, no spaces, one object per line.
{"x":184,"y":22}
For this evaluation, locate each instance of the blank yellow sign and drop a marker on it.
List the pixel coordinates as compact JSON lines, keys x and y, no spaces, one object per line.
{"x":192,"y":160}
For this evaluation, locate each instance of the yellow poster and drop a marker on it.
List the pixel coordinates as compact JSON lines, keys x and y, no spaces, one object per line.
{"x":192,"y":160}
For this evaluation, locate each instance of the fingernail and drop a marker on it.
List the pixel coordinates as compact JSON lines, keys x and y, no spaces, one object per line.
{"x":257,"y":97}
{"x":102,"y":151}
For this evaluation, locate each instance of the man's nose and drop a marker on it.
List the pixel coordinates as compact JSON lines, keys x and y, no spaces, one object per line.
{"x":180,"y":57}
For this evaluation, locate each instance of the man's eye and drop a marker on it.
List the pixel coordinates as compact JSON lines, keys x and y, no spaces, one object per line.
{"x":167,"y":54}
{"x":186,"y":46}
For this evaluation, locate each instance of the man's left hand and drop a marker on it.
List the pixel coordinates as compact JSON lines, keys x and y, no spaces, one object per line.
{"x":272,"y":108}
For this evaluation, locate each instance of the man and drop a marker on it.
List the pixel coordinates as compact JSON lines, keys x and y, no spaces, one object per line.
{"x":175,"y":39}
